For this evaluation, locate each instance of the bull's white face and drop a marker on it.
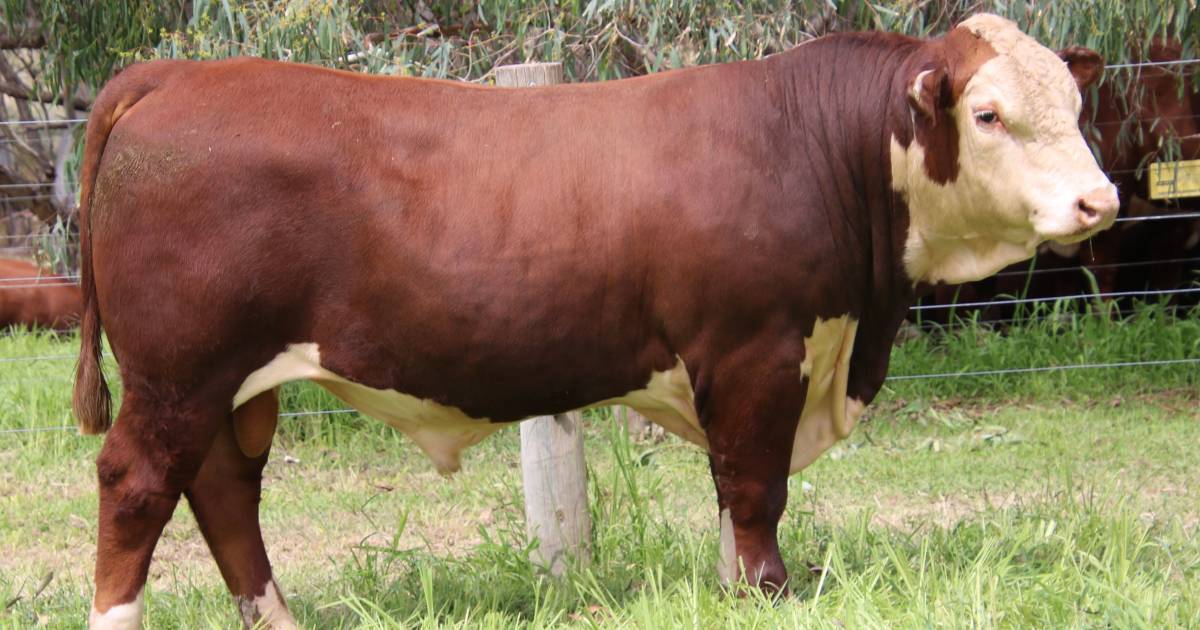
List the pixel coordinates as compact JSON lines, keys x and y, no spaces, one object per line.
{"x":1025,"y":174}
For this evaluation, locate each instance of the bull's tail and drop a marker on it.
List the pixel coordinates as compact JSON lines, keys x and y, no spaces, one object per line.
{"x":92,"y":401}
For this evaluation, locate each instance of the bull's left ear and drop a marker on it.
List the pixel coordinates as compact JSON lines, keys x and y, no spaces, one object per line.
{"x":930,"y":91}
{"x":1085,"y":64}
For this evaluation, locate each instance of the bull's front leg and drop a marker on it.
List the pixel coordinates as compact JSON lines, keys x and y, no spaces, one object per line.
{"x":751,"y":419}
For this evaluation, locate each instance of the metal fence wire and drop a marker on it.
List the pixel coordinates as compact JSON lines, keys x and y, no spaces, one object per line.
{"x":897,"y":378}
{"x":53,"y":280}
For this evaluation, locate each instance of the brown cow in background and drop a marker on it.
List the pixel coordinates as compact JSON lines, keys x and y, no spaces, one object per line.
{"x":31,"y":297}
{"x":1155,"y":119}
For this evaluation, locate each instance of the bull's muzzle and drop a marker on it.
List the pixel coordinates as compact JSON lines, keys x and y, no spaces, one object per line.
{"x":1097,"y":209}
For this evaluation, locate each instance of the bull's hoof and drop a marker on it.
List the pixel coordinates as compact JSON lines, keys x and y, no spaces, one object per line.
{"x":772,"y":589}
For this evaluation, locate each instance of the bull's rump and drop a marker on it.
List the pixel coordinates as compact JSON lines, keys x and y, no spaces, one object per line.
{"x":507,"y":252}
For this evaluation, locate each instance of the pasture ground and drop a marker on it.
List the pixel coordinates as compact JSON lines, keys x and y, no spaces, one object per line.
{"x":1046,"y":500}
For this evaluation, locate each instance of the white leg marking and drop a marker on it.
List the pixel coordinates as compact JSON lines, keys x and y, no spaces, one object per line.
{"x":267,"y":608}
{"x":120,"y":617}
{"x":727,"y":565}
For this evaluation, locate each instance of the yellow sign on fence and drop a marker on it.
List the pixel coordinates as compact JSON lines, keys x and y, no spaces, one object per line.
{"x":1172,"y":180}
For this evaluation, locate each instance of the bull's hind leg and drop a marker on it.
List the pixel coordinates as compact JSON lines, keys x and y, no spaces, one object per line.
{"x":751,"y":417}
{"x":151,"y":454}
{"x":225,"y":499}
{"x":225,"y":496}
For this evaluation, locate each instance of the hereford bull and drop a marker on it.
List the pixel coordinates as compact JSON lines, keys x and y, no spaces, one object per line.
{"x":32,"y":298}
{"x":728,"y":249}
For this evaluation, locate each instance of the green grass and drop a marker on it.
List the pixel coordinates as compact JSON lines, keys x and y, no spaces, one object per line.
{"x":1047,"y":500}
{"x":1055,"y":335}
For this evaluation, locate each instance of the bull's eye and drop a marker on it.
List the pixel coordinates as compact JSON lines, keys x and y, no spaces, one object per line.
{"x":987,"y":118}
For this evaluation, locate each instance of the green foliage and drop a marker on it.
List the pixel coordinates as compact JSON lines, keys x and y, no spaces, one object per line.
{"x":600,"y":40}
{"x":85,"y":41}
{"x":1052,"y":334}
{"x":597,"y":39}
{"x":91,"y":37}
{"x":309,"y":32}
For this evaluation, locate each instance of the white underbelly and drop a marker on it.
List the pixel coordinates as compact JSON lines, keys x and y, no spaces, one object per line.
{"x":443,"y":431}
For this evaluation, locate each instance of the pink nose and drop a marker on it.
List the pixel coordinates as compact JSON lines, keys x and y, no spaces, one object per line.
{"x":1098,"y":206}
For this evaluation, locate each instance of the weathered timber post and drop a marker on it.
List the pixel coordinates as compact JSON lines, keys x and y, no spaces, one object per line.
{"x":555,"y":478}
{"x":552,"y":466}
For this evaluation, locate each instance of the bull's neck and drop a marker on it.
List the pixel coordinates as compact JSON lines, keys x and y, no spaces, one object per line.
{"x":844,"y":100}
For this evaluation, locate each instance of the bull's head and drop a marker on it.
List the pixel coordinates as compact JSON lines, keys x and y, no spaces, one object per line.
{"x":997,"y":163}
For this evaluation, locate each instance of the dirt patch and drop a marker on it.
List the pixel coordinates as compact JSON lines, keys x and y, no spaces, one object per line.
{"x":1148,"y":498}
{"x":311,"y":518}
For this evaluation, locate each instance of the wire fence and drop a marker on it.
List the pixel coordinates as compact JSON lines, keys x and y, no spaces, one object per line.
{"x":47,"y":281}
{"x":1114,"y":123}
{"x":895,"y":378}
{"x":1150,"y":64}
{"x":71,"y":277}
{"x":965,"y":373}
{"x":68,"y":281}
{"x":29,"y":185}
{"x":26,"y":282}
{"x":38,"y":285}
{"x":1129,"y":171}
{"x":1058,"y":298}
{"x":1096,"y":267}
{"x":57,"y":358}
{"x":27,"y":198}
{"x":57,"y":122}
{"x":39,"y":282}
{"x":1159,"y":217}
{"x":62,"y":125}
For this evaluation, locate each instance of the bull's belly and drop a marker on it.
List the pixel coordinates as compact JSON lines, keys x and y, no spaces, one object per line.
{"x":443,"y":431}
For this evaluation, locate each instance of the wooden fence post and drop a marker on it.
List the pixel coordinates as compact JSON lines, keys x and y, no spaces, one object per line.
{"x":552,"y":466}
{"x":555,"y":479}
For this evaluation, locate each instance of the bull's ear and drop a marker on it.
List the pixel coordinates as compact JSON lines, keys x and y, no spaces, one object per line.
{"x":1085,"y":64}
{"x":930,"y":91}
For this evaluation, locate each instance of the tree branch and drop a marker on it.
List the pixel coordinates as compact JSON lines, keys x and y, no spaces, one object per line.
{"x":12,"y":41}
{"x":23,"y":93}
{"x":27,"y":35}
